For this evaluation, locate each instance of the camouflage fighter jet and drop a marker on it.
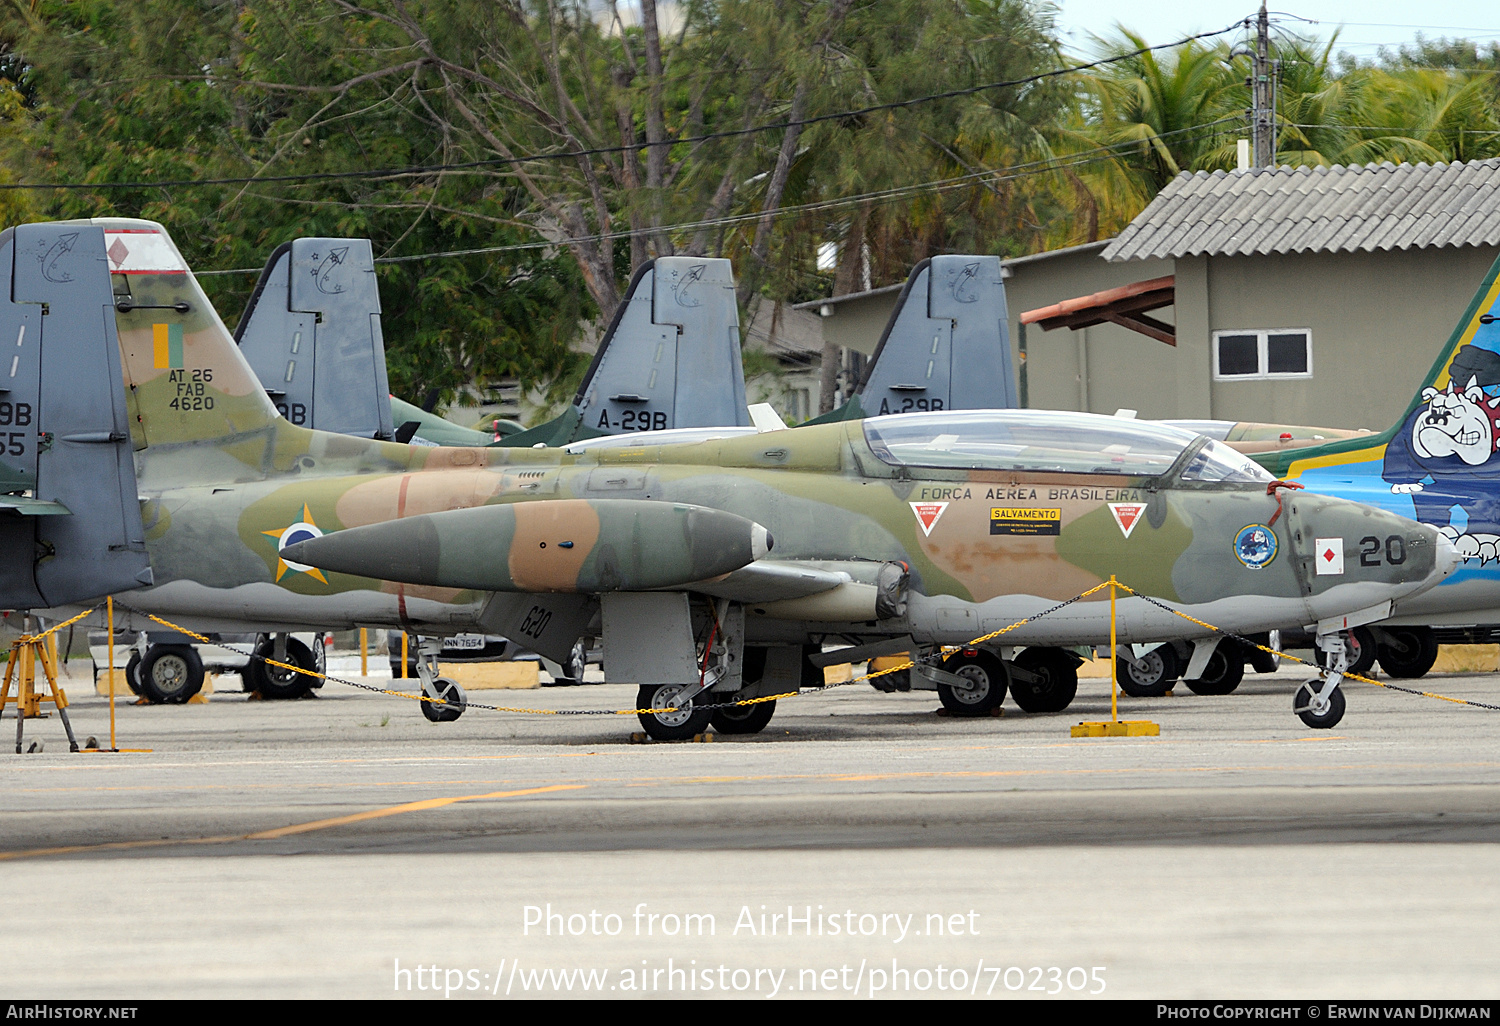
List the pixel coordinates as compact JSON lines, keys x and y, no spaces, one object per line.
{"x":311,"y":331}
{"x":713,"y":570}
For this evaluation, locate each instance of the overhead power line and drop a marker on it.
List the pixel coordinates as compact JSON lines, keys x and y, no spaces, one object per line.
{"x":1084,"y":157}
{"x":424,"y":169}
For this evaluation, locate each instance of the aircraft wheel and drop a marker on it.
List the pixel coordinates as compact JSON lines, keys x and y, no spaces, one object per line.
{"x":170,"y":673}
{"x":1152,"y":677}
{"x":1323,"y":718}
{"x":678,"y":725}
{"x":1360,"y":650}
{"x":1055,"y":693}
{"x":133,"y":673}
{"x":988,"y":675}
{"x":578,"y":661}
{"x":743,"y":719}
{"x":454,"y":698}
{"x":1223,"y":673}
{"x":1265,"y":662}
{"x":1415,"y":651}
{"x":274,"y":681}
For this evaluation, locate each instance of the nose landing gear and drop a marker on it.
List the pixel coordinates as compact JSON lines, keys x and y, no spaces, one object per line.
{"x":1320,"y":703}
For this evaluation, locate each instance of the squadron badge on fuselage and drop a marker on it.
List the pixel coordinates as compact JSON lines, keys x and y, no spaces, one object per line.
{"x":1255,"y":546}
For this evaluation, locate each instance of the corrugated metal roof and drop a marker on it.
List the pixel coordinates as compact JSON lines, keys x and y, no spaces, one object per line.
{"x":1318,"y":209}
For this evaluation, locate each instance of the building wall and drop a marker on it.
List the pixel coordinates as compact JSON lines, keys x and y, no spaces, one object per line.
{"x":858,"y":323}
{"x":1377,"y":322}
{"x":1098,"y":369}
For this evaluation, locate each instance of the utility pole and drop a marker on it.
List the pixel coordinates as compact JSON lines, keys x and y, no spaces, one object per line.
{"x":1262,"y":110}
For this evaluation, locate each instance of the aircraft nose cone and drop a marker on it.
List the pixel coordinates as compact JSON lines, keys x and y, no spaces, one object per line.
{"x":1445,"y":558}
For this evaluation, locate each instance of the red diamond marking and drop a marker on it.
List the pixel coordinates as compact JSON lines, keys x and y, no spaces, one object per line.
{"x":1328,"y":555}
{"x":118,"y":251}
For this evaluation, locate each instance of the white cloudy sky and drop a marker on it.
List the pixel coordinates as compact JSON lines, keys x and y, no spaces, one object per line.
{"x":1363,"y":25}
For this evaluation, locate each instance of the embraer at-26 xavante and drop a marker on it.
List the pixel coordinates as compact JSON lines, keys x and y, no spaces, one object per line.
{"x":713,"y":570}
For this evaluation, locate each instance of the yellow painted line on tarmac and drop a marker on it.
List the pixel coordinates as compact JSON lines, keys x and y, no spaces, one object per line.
{"x":1030,"y":771}
{"x":320,"y":785}
{"x":286,"y":831}
{"x":397,"y":810}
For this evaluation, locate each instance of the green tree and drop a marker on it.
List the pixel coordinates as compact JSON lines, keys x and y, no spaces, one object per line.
{"x":157,"y":92}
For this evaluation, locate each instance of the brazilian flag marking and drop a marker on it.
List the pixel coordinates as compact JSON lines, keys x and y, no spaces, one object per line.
{"x":167,"y":345}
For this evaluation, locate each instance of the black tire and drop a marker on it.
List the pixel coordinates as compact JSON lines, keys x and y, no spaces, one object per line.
{"x":275,"y":682}
{"x":1153,"y":676}
{"x":988,"y":674}
{"x":1320,"y":720}
{"x":170,"y":674}
{"x":133,"y":673}
{"x":574,"y":667}
{"x":687,"y":722}
{"x":1415,"y":651}
{"x":454,"y":701}
{"x":1265,"y":662}
{"x":1056,"y":692}
{"x":743,"y":719}
{"x":1360,"y":650}
{"x":1225,"y":670}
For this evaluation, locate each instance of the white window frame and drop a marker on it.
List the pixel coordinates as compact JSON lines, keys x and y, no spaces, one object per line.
{"x":1262,"y":350}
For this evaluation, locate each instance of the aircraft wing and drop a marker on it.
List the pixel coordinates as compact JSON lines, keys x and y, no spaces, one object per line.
{"x":770,"y":581}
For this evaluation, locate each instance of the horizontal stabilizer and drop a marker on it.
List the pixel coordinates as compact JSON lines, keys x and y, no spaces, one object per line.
{"x":32,"y":507}
{"x":552,"y":545}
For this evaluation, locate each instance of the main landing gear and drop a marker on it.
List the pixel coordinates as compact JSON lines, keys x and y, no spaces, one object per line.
{"x":983,"y":683}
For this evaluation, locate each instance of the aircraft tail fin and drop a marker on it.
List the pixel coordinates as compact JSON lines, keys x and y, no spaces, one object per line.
{"x":70,"y":517}
{"x":669,"y":359}
{"x":945,"y":347}
{"x":311,"y":332}
{"x":197,"y":412}
{"x":1469,"y":361}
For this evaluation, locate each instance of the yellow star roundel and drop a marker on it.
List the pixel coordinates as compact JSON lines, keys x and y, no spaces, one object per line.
{"x":300,"y":531}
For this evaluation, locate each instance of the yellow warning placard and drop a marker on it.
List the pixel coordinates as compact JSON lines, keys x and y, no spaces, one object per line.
{"x":1024,"y":520}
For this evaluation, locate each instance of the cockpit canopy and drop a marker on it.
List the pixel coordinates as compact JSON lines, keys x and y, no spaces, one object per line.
{"x":1051,"y":442}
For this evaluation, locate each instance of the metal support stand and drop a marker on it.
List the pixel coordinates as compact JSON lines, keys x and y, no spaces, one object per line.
{"x":25,"y":653}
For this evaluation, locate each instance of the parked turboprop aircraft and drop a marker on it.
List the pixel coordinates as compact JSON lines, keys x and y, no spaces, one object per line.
{"x":896,"y":533}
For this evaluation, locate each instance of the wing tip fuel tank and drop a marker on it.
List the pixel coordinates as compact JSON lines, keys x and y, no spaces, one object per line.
{"x":561,"y":545}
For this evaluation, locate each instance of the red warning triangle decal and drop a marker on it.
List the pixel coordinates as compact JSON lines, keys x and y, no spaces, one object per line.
{"x":1127,"y":515}
{"x":928,"y":514}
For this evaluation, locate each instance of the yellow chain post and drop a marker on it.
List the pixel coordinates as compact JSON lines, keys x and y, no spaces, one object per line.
{"x":1114,"y":662}
{"x":364,"y":652}
{"x":403,"y":655}
{"x":109,"y":616}
{"x":1116,"y":727}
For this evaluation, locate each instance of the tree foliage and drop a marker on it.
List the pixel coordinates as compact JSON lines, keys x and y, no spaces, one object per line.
{"x":571,"y":140}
